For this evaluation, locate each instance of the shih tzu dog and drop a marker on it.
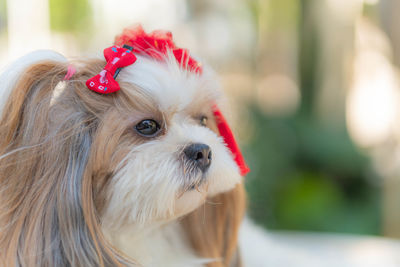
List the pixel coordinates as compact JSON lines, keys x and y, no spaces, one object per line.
{"x":126,"y":161}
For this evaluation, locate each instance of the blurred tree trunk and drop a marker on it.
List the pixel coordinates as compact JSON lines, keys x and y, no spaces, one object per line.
{"x":389,"y":10}
{"x":391,"y":200}
{"x":326,"y":49}
{"x":308,"y":56}
{"x":391,"y":210}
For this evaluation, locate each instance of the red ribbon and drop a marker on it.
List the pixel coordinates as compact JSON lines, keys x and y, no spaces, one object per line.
{"x":116,"y":57}
{"x":156,"y":45}
{"x":226,"y":133}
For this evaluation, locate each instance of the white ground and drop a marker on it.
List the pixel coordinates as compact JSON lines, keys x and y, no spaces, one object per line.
{"x":262,"y":248}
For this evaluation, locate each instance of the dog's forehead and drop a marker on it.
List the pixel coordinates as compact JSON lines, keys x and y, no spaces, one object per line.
{"x":171,"y":86}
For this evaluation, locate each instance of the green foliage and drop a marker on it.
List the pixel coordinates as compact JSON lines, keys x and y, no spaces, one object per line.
{"x":308,"y":199}
{"x":69,"y":15}
{"x":306,"y":176}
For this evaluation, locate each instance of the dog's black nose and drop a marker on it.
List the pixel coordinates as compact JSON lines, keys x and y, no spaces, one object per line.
{"x":200,"y":154}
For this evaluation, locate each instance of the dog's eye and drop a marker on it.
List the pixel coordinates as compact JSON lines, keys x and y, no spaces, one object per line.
{"x":147,"y":127}
{"x":203,"y":120}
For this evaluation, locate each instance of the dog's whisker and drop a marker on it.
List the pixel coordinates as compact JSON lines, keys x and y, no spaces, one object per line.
{"x":181,"y":194}
{"x":213,"y":203}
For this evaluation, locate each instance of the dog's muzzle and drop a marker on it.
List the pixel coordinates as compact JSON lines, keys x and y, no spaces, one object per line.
{"x":200,"y":155}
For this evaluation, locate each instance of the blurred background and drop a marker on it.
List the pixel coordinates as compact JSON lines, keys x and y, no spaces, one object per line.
{"x":314,"y":86}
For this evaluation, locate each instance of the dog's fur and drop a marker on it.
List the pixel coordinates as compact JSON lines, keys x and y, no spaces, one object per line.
{"x":78,"y":185}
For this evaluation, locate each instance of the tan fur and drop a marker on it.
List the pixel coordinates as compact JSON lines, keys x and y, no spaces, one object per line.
{"x":38,"y":136}
{"x":213,"y":228}
{"x":31,"y":180}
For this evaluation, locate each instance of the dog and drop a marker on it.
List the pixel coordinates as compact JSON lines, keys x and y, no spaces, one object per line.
{"x":142,"y":171}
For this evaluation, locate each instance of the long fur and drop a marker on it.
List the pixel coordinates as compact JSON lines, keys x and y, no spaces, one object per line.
{"x":65,"y":161}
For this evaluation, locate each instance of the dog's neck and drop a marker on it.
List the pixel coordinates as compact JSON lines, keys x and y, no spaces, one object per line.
{"x":156,"y":245}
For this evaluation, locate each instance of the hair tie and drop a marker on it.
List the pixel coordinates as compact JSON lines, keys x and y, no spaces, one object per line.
{"x":71,"y":71}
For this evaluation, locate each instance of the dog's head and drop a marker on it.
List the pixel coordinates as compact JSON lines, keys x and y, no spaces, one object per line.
{"x":74,"y":162}
{"x":169,"y":156}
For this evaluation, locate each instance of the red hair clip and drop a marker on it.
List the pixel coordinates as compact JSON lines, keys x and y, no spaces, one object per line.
{"x":116,"y":57}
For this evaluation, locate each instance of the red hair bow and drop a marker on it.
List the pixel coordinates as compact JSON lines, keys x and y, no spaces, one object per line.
{"x":116,"y":57}
{"x":156,"y":45}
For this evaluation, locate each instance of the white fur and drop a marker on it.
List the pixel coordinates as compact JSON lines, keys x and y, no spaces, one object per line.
{"x":168,"y":83}
{"x":10,"y":75}
{"x":157,"y":245}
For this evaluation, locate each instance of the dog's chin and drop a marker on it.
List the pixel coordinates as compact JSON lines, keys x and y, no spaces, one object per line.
{"x":215,"y":181}
{"x":198,"y":194}
{"x":190,"y":200}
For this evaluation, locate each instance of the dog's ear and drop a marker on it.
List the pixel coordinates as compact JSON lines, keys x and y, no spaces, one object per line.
{"x":213,"y":228}
{"x":47,"y":215}
{"x":18,"y":80}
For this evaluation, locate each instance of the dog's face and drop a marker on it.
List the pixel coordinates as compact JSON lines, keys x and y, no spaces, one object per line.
{"x":168,"y":157}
